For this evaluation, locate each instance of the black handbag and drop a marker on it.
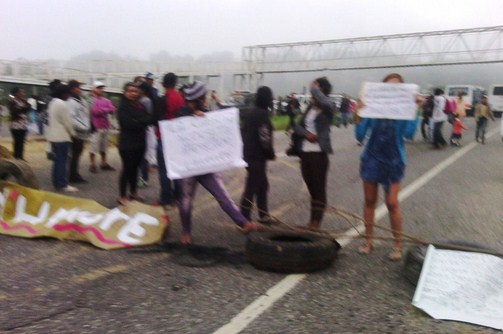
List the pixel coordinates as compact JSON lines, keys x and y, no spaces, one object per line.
{"x":295,"y":145}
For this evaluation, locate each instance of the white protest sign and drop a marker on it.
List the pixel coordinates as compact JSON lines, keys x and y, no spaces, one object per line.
{"x":389,"y":100}
{"x":200,"y":145}
{"x":462,"y":286}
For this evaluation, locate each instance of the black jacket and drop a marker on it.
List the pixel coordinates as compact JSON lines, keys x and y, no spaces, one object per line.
{"x":257,"y":135}
{"x":133,"y":121}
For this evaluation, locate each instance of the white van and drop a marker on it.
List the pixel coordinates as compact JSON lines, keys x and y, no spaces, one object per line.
{"x":473,"y":94}
{"x":495,"y":99}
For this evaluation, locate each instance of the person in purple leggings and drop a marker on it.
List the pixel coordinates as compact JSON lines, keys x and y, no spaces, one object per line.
{"x":195,"y":105}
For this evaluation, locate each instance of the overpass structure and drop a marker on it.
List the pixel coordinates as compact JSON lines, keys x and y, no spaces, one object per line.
{"x":448,"y":47}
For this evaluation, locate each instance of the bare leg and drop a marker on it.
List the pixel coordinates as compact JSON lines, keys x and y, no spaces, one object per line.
{"x":395,"y":214}
{"x":370,"y":194}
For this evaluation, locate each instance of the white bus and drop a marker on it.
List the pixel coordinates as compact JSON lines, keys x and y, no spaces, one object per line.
{"x":495,"y":99}
{"x":472,"y":95}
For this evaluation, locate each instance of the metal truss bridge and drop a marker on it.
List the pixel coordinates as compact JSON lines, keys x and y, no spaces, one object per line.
{"x":448,"y":47}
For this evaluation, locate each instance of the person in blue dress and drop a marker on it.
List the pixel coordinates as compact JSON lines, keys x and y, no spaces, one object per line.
{"x":383,"y":162}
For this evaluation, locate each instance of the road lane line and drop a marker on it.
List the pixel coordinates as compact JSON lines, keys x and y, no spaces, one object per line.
{"x":266,"y":301}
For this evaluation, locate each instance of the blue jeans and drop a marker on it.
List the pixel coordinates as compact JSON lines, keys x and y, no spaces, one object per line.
{"x":60,"y":151}
{"x":166,"y":195}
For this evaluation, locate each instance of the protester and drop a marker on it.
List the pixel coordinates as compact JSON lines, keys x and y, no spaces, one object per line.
{"x":101,"y":109}
{"x":482,"y":113}
{"x":18,"y":108}
{"x":59,"y":133}
{"x":149,"y":159}
{"x":438,"y":118}
{"x":425,"y":122}
{"x":196,"y":105}
{"x":460,"y":105}
{"x":314,"y":128}
{"x":344,"y":109}
{"x":79,"y":112}
{"x":292,"y":110}
{"x":457,"y":128}
{"x":149,"y":79}
{"x":257,"y":149}
{"x":133,"y":121}
{"x":382,"y":162}
{"x":165,"y":108}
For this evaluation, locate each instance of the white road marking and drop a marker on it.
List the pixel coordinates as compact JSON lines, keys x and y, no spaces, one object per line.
{"x":264,"y":302}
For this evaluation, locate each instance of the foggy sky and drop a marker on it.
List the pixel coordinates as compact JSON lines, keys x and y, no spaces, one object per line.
{"x":56,"y":29}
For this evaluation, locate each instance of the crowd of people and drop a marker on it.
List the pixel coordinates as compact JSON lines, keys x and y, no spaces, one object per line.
{"x":72,"y":121}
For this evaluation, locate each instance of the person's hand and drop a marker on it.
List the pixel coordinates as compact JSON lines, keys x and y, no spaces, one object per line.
{"x":311,"y":137}
{"x":214,"y":95}
{"x":198,"y":113}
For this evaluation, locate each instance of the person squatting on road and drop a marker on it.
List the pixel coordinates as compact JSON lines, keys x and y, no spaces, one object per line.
{"x":257,"y":149}
{"x":133,"y":120}
{"x":314,"y":128}
{"x":382,"y":162}
{"x":195,"y":105}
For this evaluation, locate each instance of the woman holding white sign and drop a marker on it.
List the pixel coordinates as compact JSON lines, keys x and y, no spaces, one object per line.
{"x":196,"y":105}
{"x":383,"y":162}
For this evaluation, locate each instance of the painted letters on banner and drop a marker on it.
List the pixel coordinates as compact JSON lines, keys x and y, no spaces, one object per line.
{"x":389,"y":100}
{"x":31,"y":213}
{"x":200,"y":145}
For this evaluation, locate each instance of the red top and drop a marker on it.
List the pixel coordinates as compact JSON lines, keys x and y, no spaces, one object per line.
{"x":458,"y":126}
{"x":174,"y":101}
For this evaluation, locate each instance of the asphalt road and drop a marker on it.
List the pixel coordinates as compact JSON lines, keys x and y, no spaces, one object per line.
{"x":51,"y":286}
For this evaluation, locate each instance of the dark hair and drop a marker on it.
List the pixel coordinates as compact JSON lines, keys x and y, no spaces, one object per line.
{"x":325,"y":86}
{"x":14,"y":91}
{"x":438,"y":91}
{"x":264,"y":97}
{"x":129,"y":84}
{"x":53,"y":85}
{"x":169,"y":80}
{"x":393,"y":76}
{"x":73,"y":84}
{"x":60,"y":91}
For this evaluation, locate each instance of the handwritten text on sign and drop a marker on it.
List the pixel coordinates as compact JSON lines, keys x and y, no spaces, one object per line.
{"x":462,"y":286}
{"x":389,"y":100}
{"x":200,"y":145}
{"x":31,"y":213}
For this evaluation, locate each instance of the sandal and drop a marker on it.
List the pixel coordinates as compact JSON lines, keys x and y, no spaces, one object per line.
{"x":365,"y":249}
{"x":250,"y":227}
{"x":395,"y":254}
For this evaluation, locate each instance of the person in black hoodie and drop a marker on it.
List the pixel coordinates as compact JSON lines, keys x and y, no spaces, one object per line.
{"x":257,"y":149}
{"x":133,"y":120}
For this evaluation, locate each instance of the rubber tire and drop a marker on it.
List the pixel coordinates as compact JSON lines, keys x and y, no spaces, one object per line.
{"x":20,"y":171}
{"x":290,"y":252}
{"x":415,"y":255}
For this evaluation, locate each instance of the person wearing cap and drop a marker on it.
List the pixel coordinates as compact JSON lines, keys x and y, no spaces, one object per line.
{"x":165,"y":108}
{"x":195,"y":105}
{"x":149,"y":79}
{"x":59,"y":133}
{"x":79,"y":111}
{"x":101,"y":108}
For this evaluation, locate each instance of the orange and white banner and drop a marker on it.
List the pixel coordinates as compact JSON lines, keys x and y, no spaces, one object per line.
{"x":30,"y":213}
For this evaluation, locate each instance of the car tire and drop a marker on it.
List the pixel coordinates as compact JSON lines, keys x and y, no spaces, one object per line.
{"x":415,"y":255}
{"x":20,"y":171}
{"x":290,"y":252}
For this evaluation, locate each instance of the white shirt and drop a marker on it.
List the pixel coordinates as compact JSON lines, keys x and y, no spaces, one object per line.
{"x":438,"y":109}
{"x":311,"y":116}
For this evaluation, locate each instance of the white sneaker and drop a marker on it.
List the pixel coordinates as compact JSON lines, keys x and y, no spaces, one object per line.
{"x":70,"y":189}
